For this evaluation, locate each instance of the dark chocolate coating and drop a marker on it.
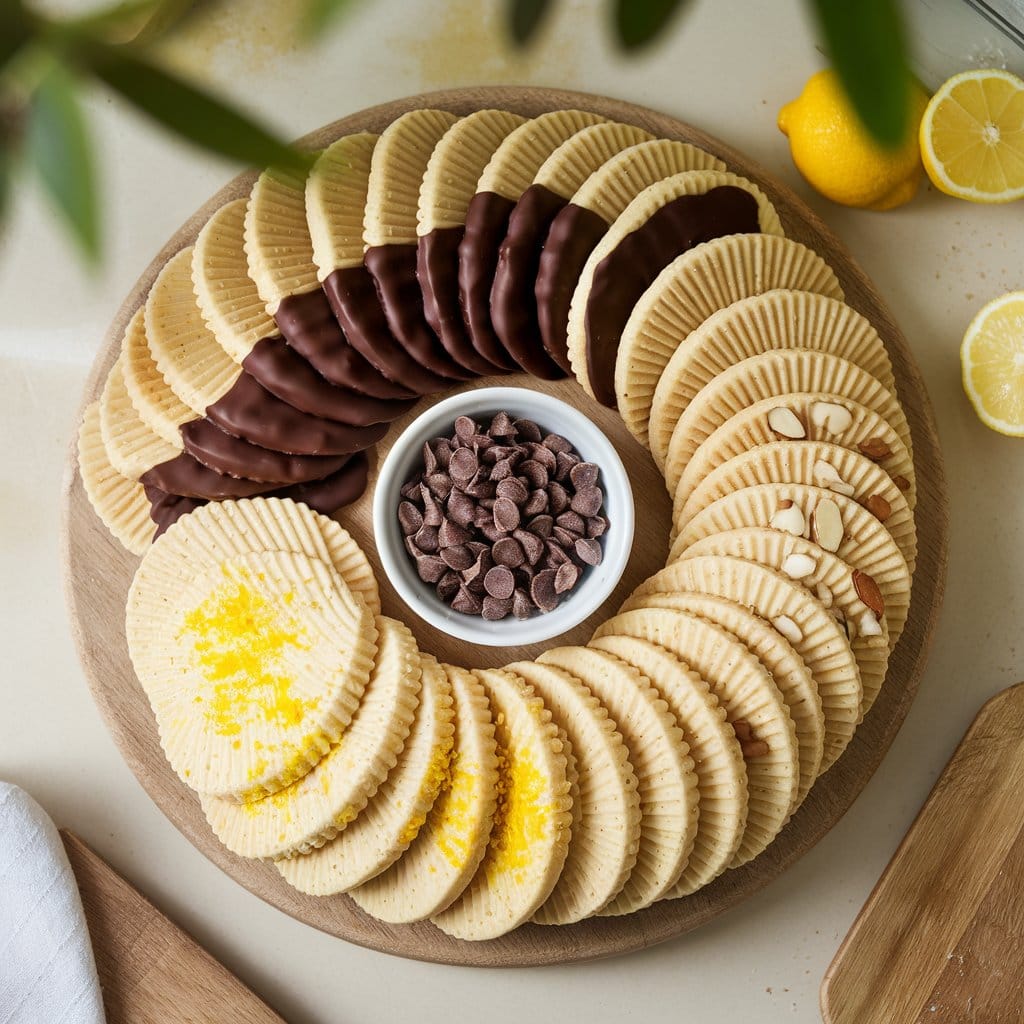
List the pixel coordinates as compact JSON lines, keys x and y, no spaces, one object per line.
{"x":311,"y":328}
{"x":438,"y":270}
{"x":166,"y":509}
{"x":574,"y":232}
{"x":394,"y":269}
{"x":513,"y":306}
{"x":333,"y":491}
{"x":219,"y":451}
{"x":185,"y":475}
{"x":250,"y":412}
{"x":353,"y":297}
{"x":284,"y":373}
{"x":631,"y":267}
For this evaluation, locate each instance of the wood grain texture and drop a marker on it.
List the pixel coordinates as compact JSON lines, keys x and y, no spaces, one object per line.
{"x":98,"y":573}
{"x":151,"y":972}
{"x":941,"y":938}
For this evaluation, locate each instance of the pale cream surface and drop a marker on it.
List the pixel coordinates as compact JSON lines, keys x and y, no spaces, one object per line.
{"x":728,"y":66}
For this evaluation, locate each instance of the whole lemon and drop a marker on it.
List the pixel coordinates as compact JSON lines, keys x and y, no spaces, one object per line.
{"x":836,"y":155}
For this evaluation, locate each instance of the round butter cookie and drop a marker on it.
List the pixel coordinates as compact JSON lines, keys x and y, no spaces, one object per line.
{"x":666,"y":783}
{"x":197,"y":369}
{"x":663,"y":221}
{"x":119,"y":502}
{"x":449,"y":186}
{"x":131,"y":445}
{"x":851,"y":596}
{"x":385,"y":827}
{"x":863,"y":542}
{"x":768,"y":375}
{"x":530,"y":836}
{"x":606,"y":823}
{"x":224,"y":529}
{"x":717,"y":759}
{"x":508,"y":174}
{"x":227,"y":296}
{"x":253,"y":666}
{"x":778,"y":319}
{"x":805,"y":417}
{"x":323,"y":802}
{"x":816,"y":464}
{"x":447,"y":850}
{"x":157,"y":405}
{"x":691,"y":289}
{"x":798,"y":615}
{"x":753,"y":705}
{"x":777,"y":654}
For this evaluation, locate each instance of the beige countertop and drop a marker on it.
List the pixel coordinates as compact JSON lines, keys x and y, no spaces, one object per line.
{"x":728,"y":67}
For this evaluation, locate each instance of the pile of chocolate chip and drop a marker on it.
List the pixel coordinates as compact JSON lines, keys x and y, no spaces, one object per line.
{"x":502,"y":521}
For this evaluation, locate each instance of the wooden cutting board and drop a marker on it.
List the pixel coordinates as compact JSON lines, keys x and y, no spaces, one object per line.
{"x":152,"y":972}
{"x":98,"y":572}
{"x":941,"y":939}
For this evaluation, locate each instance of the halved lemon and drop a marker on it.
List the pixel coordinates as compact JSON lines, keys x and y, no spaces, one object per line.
{"x":972,"y":137}
{"x":992,"y":360}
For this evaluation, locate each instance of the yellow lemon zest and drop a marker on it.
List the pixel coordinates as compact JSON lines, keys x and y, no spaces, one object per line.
{"x":522,"y":817}
{"x":436,"y":776}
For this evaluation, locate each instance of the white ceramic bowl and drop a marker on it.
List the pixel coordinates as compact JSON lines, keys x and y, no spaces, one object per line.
{"x":554,"y":416}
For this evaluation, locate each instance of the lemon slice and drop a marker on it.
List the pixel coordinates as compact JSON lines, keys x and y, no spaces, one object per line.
{"x":972,"y":137}
{"x":992,"y":360}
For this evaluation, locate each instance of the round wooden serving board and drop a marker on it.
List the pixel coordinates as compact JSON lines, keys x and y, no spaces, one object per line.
{"x":99,"y":571}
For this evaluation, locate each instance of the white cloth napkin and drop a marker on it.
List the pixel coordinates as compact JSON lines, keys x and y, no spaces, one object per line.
{"x":47,"y":971}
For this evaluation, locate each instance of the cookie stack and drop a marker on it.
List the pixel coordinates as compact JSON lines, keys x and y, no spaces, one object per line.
{"x":596,"y":780}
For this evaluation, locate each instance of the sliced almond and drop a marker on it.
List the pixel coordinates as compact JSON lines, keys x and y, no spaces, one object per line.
{"x":827,"y":525}
{"x":790,"y":519}
{"x":901,"y":482}
{"x":826,"y":475}
{"x":868,"y":592}
{"x":868,"y":625}
{"x":796,"y":566}
{"x":832,"y":418}
{"x":788,"y":628}
{"x":785,"y":503}
{"x":878,"y":507}
{"x":875,"y":448}
{"x":786,"y":423}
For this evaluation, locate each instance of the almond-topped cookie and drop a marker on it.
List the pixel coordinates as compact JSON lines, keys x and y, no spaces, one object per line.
{"x":691,"y":289}
{"x":805,"y":417}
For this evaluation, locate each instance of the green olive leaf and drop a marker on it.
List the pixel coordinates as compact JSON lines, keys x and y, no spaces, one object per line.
{"x":188,"y":111}
{"x":321,"y":15}
{"x":867,"y":45}
{"x":58,"y":148}
{"x":639,"y":22}
{"x":524,"y":19}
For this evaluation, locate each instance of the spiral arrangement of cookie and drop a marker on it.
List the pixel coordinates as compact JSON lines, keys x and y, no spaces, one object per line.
{"x":269,"y":359}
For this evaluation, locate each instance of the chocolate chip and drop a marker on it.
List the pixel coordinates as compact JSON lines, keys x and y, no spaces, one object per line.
{"x":410,"y":518}
{"x":542,"y":590}
{"x":464,"y":428}
{"x":541,"y":525}
{"x":492,"y":532}
{"x":535,"y":473}
{"x":501,"y":470}
{"x":426,"y":539}
{"x":558,"y":498}
{"x":430,"y":568}
{"x":410,"y":546}
{"x":564,"y":465}
{"x":457,"y":557}
{"x":588,"y":501}
{"x":522,"y":606}
{"x":508,"y":551}
{"x":556,"y":443}
{"x":452,"y":533}
{"x":448,"y":586}
{"x":512,"y":489}
{"x":536,"y":503}
{"x":528,"y":430}
{"x":478,"y":547}
{"x":533,"y":546}
{"x":584,"y":474}
{"x":545,"y":456}
{"x":467,"y":602}
{"x":502,"y":426}
{"x":461,"y":508}
{"x":440,"y":484}
{"x":562,"y":536}
{"x":494,"y":609}
{"x":566,"y":576}
{"x":463,"y":466}
{"x":506,"y":514}
{"x":479,"y":487}
{"x":499,"y":582}
{"x":571,"y":521}
{"x":556,"y":554}
{"x":443,"y":452}
{"x":596,"y":526}
{"x":589,"y":550}
{"x":432,"y":514}
{"x":429,"y":459}
{"x":411,"y":491}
